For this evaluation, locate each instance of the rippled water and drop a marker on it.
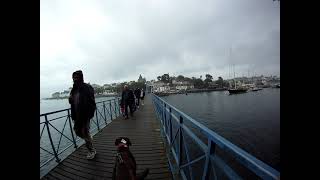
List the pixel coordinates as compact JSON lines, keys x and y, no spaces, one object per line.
{"x":250,"y":120}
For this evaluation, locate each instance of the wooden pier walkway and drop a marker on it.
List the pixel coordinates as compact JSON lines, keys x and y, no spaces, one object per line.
{"x":147,"y":147}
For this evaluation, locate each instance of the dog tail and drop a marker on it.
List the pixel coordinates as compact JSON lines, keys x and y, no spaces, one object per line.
{"x":143,"y":175}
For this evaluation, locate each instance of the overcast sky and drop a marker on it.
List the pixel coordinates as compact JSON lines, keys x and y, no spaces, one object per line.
{"x":116,"y":40}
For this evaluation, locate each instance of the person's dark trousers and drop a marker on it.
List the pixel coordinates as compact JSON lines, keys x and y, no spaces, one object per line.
{"x":138,"y":101}
{"x":126,"y":109}
{"x":126,"y":105}
{"x":131,"y":106}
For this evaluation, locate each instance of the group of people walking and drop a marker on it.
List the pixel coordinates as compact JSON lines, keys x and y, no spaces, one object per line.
{"x":131,"y":99}
{"x":83,"y":107}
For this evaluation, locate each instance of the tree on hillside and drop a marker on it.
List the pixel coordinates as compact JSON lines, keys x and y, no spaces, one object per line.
{"x":56,"y":94}
{"x":207,"y":80}
{"x":180,"y":78}
{"x":171,"y":79}
{"x":198,"y":83}
{"x":226,"y":84}
{"x":209,"y":77}
{"x":136,"y":85}
{"x":165,"y":78}
{"x":220,"y":82}
{"x":193,"y":80}
{"x":187,"y":79}
{"x":100,"y":90}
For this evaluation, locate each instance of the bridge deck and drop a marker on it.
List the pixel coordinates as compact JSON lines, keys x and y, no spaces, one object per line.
{"x":147,"y":147}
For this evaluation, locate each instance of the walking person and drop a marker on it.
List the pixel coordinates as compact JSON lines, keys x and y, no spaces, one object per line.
{"x":142,"y":96}
{"x":83,"y":106}
{"x":127,"y":100}
{"x":137,"y":93}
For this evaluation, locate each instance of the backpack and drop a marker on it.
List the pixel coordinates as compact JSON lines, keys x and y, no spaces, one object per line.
{"x":91,"y":101}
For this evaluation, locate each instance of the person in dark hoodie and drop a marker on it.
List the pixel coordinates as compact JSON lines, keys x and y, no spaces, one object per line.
{"x":83,"y":106}
{"x":137,"y":94}
{"x":127,"y":100}
{"x":142,"y":96}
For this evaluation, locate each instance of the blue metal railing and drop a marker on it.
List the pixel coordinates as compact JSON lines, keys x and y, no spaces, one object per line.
{"x":51,"y":141}
{"x":176,"y":127}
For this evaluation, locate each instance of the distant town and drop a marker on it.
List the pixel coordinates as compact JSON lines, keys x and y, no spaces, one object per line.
{"x":170,"y":85}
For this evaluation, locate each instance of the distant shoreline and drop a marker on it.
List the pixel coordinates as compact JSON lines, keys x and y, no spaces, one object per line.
{"x":96,"y":96}
{"x":190,"y":91}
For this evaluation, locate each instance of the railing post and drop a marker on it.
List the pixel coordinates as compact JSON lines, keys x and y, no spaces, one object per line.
{"x":97,"y":119}
{"x":163,"y":114}
{"x":210,"y":151}
{"x":180,"y":141}
{"x":165,"y":119}
{"x":71,"y":130}
{"x":104,"y":112}
{"x":110,"y":110}
{"x":157,"y":108}
{"x":50,"y":138}
{"x":170,"y":126}
{"x":115,"y":108}
{"x":159,"y":111}
{"x":119,"y":109}
{"x":162,"y":119}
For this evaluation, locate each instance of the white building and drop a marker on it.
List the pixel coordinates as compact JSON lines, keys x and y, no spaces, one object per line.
{"x":109,"y":93}
{"x":182,"y":85}
{"x":160,"y":86}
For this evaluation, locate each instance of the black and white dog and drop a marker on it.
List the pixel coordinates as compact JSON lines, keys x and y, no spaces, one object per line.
{"x":125,"y":164}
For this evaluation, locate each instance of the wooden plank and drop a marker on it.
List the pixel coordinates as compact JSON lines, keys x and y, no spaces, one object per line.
{"x":86,"y":172}
{"x":110,"y":163}
{"x":61,"y":175}
{"x":90,"y":167}
{"x":145,"y":156}
{"x":50,"y":177}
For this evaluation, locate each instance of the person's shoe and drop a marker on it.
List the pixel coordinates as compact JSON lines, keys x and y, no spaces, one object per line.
{"x":91,"y":154}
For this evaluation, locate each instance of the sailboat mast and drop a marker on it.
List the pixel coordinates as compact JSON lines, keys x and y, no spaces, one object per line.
{"x":234,"y":78}
{"x":234,"y":75}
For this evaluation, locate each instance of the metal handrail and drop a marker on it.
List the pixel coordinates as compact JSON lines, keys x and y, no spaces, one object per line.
{"x":168,"y":114}
{"x":54,"y":150}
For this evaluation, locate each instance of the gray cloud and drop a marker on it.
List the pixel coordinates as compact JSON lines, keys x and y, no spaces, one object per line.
{"x":114,"y":41}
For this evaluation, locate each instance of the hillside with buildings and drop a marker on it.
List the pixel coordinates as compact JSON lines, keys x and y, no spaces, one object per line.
{"x":179,"y":84}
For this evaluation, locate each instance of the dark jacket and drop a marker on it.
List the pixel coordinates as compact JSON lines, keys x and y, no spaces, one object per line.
{"x":127,"y":97}
{"x":87,"y":104}
{"x":137,"y":93}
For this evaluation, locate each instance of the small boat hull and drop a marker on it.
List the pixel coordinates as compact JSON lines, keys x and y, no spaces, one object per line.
{"x":237,"y":91}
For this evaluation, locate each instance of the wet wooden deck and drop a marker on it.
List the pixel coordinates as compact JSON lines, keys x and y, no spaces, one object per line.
{"x":147,"y":147}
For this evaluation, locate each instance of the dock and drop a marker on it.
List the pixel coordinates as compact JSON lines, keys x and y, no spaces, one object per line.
{"x":164,"y":139}
{"x":147,"y":146}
